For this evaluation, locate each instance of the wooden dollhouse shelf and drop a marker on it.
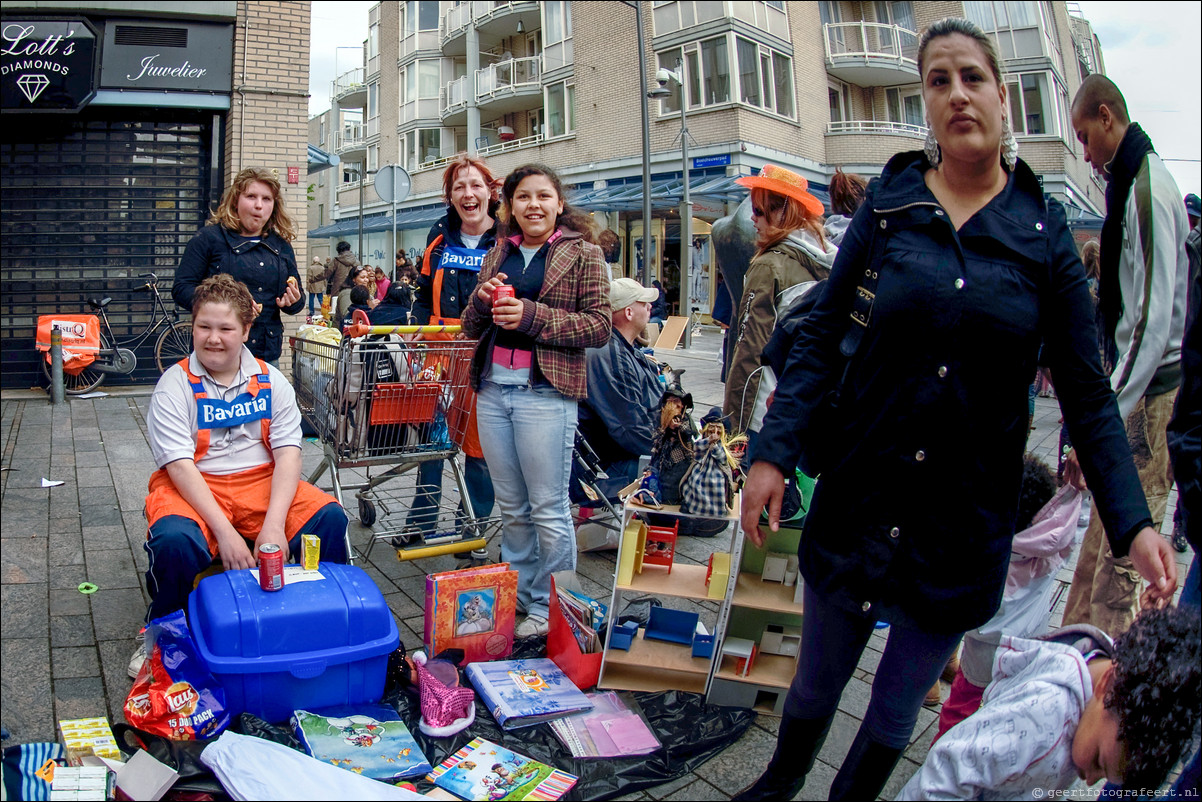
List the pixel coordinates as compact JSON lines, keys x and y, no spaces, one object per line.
{"x":674,"y":509}
{"x":770,"y":670}
{"x":654,"y":656}
{"x":685,"y":582}
{"x":751,"y":591}
{"x":635,"y":678}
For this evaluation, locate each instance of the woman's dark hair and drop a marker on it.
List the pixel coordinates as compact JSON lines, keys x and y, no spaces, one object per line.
{"x":343,"y":247}
{"x":1039,"y":485}
{"x":398,"y":293}
{"x":847,"y":192}
{"x":1156,"y":692}
{"x":952,"y":25}
{"x":783,"y":216}
{"x":571,"y":218}
{"x":1091,"y":255}
{"x":359,"y":295}
{"x":611,"y":246}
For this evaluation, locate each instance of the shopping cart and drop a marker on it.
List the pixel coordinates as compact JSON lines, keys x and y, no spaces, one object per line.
{"x":379,"y":400}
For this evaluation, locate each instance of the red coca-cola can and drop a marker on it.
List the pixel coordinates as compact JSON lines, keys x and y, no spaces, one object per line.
{"x":271,"y":567}
{"x":502,"y":291}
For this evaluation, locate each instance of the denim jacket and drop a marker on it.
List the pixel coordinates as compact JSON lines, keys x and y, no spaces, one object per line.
{"x":913,"y":518}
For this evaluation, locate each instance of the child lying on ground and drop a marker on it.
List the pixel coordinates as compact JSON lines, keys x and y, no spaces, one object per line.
{"x":1071,"y":705}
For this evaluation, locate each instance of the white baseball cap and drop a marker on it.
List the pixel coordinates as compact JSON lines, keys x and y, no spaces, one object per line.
{"x":626,"y":291}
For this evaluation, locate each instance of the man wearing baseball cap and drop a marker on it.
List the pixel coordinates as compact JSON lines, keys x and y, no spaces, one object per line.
{"x":619,"y":417}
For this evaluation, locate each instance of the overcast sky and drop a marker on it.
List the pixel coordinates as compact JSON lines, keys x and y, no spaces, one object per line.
{"x":1151,"y":51}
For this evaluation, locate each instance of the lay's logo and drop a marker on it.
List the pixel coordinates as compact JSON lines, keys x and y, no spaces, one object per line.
{"x":181,"y":698}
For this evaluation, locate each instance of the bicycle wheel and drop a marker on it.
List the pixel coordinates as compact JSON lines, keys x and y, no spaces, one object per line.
{"x":174,"y":344}
{"x":86,"y":380}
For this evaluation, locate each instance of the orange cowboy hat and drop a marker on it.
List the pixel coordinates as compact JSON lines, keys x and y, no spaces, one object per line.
{"x":783,"y":182}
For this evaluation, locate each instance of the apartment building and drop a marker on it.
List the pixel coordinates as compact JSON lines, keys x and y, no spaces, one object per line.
{"x":813,"y":86}
{"x":124,"y":121}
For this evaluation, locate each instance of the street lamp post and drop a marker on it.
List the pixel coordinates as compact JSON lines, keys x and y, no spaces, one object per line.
{"x":686,"y":205}
{"x":643,"y":95}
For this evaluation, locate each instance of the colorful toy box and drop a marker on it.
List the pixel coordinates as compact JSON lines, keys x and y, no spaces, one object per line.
{"x":321,"y":640}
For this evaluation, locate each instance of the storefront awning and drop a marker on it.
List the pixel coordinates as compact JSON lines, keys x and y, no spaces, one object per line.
{"x":666,"y":193}
{"x":405,"y":220}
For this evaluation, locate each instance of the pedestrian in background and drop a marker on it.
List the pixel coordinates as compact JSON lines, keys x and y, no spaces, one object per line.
{"x":847,"y":193}
{"x":249,"y":237}
{"x":926,"y":335}
{"x":338,"y":272}
{"x":316,"y":284}
{"x":529,"y":372}
{"x":1142,"y":296}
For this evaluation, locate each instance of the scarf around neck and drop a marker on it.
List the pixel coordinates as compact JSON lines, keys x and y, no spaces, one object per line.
{"x":1128,"y":159}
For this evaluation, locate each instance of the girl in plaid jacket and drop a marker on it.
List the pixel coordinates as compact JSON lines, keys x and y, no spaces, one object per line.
{"x":529,"y":372}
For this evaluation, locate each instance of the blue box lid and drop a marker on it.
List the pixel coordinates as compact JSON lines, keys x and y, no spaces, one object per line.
{"x":241,"y":628}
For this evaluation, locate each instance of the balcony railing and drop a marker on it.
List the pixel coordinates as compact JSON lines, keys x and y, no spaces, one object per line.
{"x":875,"y":127}
{"x":871,"y":41}
{"x":513,"y":144}
{"x":349,"y":81}
{"x":505,"y":77}
{"x":456,"y":18}
{"x":351,"y":137}
{"x":454,"y":96}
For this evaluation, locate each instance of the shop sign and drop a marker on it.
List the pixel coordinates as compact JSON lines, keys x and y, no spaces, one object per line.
{"x":161,"y":56}
{"x":47,"y":65}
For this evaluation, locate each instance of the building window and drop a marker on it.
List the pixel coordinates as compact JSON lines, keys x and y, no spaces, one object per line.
{"x":419,"y":15}
{"x":1031,"y":112}
{"x":901,"y":14}
{"x":421,"y":80}
{"x":557,"y":24}
{"x":904,"y":106}
{"x":674,"y":16}
{"x":373,"y":41}
{"x":715,"y":72}
{"x":321,"y":131}
{"x":561,"y":109}
{"x":765,"y":76}
{"x":1023,"y":28}
{"x":373,"y":158}
{"x":373,"y":100}
{"x":839,"y":101}
{"x":420,"y":146}
{"x":321,"y":214}
{"x":667,"y":60}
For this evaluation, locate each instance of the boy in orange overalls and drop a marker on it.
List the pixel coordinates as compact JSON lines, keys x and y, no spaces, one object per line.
{"x":225,"y":432}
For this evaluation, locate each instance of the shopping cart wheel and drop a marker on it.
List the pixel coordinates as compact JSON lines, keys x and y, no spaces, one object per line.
{"x":367,"y":512}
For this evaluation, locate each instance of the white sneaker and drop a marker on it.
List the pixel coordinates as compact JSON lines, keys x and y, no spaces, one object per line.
{"x":136,"y":661}
{"x":533,"y":626}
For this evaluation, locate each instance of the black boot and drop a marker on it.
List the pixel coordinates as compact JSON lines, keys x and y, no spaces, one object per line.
{"x":797,"y":746}
{"x":865,"y":770}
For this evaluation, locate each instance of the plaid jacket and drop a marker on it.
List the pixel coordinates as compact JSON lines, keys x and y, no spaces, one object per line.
{"x":572,"y":312}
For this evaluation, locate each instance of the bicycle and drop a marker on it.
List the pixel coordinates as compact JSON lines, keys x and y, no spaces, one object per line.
{"x":173,"y":344}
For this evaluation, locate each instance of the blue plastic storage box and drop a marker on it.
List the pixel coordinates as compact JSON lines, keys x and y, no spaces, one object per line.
{"x":307,"y":645}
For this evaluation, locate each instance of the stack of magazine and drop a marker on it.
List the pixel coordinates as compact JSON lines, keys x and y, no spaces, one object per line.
{"x":615,"y":727}
{"x":584,"y":616}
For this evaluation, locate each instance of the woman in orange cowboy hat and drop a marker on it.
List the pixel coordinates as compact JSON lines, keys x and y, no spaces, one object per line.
{"x":792,"y":255}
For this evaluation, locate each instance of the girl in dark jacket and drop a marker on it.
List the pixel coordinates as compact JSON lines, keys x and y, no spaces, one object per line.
{"x":953,"y":271}
{"x":249,"y":237}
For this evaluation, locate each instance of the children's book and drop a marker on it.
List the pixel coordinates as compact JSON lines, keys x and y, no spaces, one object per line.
{"x":374,"y":742}
{"x":521,"y":693}
{"x":483,"y":770}
{"x":472,"y":609}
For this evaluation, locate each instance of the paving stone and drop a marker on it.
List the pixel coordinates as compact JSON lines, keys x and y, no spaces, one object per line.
{"x":64,"y":601}
{"x":94,"y":477}
{"x":699,"y":790}
{"x":18,"y":523}
{"x":118,"y":613}
{"x":25,"y":688}
{"x":71,"y":630}
{"x":112,"y":568}
{"x":25,"y":614}
{"x":855,"y":698}
{"x":68,"y":577}
{"x":80,"y":697}
{"x":65,"y":549}
{"x":96,"y":497}
{"x":104,"y":537}
{"x":669,"y":788}
{"x":62,"y":458}
{"x":383,"y":582}
{"x":65,"y":524}
{"x":24,"y":560}
{"x":114,"y":663}
{"x":901,"y":775}
{"x":741,"y":764}
{"x":90,"y":459}
{"x":838,"y":740}
{"x":101,"y":515}
{"x":75,"y":662}
{"x":402,"y":606}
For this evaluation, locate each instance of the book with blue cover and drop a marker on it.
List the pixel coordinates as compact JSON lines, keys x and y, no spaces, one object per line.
{"x":372,"y":741}
{"x":521,"y":693}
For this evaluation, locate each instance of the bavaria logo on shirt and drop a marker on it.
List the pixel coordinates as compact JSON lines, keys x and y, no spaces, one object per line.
{"x":462,"y":258}
{"x":213,"y":413}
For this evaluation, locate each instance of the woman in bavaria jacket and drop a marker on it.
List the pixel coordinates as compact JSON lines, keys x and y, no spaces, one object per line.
{"x":248,"y":237}
{"x":529,"y":372}
{"x":952,"y":272}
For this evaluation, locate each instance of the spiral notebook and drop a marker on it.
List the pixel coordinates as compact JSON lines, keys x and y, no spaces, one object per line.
{"x":483,"y":770}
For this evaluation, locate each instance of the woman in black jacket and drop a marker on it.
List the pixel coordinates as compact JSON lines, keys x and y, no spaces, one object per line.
{"x":950,"y":275}
{"x":249,"y":237}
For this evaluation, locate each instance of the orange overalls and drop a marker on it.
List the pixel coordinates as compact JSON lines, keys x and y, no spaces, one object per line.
{"x":242,"y":496}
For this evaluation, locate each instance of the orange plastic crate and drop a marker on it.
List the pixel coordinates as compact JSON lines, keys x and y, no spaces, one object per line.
{"x":404,"y":403}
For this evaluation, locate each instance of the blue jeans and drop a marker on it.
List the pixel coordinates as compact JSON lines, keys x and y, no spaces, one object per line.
{"x":178,"y":552}
{"x":428,"y":496}
{"x":1191,"y":591}
{"x":527,"y":435}
{"x":831,"y":643}
{"x":314,"y":297}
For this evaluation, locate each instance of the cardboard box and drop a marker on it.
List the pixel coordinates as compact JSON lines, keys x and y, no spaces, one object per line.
{"x":582,"y":669}
{"x":85,"y":737}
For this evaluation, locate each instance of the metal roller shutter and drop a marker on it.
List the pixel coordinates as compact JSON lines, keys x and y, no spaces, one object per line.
{"x":89,"y":203}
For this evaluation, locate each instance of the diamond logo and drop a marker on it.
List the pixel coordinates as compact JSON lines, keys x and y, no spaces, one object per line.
{"x":33,"y":85}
